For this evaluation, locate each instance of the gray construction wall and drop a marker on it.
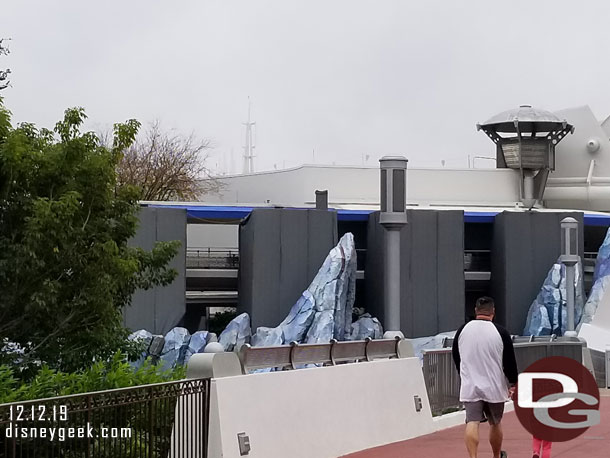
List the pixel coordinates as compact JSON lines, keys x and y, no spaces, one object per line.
{"x":432,"y":271}
{"x":160,"y":309}
{"x":525,"y":247}
{"x":280,"y":252}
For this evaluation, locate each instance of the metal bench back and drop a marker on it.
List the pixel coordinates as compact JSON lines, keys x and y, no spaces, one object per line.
{"x":332,"y":353}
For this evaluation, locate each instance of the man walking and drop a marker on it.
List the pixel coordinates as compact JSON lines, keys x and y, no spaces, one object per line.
{"x":484,"y":356}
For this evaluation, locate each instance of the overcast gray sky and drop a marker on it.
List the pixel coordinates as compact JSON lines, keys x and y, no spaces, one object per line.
{"x":345,"y":78}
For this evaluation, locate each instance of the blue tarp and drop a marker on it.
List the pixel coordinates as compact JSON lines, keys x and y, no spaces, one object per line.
{"x":196,"y":212}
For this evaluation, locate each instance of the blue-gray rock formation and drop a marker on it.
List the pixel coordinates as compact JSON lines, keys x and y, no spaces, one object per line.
{"x":602,"y":263}
{"x":294,"y":327}
{"x":175,"y":348}
{"x":267,"y":337}
{"x":598,"y":290}
{"x":156,"y":347}
{"x":334,"y":290}
{"x":196,"y":344}
{"x":601,"y":281}
{"x":324,"y":310}
{"x":547,"y":314}
{"x":429,"y":343}
{"x":366,"y":326}
{"x":236,"y":334}
{"x":176,"y":344}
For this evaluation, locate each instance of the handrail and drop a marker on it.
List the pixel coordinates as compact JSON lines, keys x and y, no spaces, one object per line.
{"x":332,"y":353}
{"x":443,"y":382}
{"x":154,"y":420}
{"x":104,"y":392}
{"x":520,"y":340}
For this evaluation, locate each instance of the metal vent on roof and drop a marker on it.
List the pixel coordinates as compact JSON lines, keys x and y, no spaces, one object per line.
{"x":525,"y":139}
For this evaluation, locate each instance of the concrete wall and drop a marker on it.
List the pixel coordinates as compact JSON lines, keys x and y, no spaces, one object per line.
{"x":525,"y":246}
{"x":319,"y":413}
{"x":432,"y":271}
{"x":160,"y":309}
{"x":280,"y":250}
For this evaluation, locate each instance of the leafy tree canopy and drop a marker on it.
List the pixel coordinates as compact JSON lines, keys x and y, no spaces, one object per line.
{"x":66,"y":269}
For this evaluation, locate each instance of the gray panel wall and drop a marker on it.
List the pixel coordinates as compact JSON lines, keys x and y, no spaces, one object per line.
{"x":281,"y":251}
{"x":525,"y":246}
{"x":432,"y":271}
{"x":160,"y":309}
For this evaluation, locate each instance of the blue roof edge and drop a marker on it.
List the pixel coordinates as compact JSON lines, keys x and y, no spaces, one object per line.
{"x":227,"y":212}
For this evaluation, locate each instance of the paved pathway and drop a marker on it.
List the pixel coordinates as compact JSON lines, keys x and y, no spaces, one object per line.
{"x":595,"y":443}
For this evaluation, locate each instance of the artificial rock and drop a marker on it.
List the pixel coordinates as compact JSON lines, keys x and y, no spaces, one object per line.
{"x":324,"y":310}
{"x":176,"y":344}
{"x":601,"y":281}
{"x":196,"y":344}
{"x":267,"y":337}
{"x":548,"y":313}
{"x":602,"y":263}
{"x":334,"y":290}
{"x":366,"y":326}
{"x":430,"y":343}
{"x":236,"y":334}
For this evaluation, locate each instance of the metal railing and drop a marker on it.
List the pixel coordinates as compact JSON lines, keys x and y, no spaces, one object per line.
{"x":477,"y":260}
{"x":589,"y":260}
{"x":164,"y":420}
{"x":443,"y":382}
{"x":212,"y":258}
{"x":228,"y":258}
{"x":600,"y":368}
{"x":328,"y":354}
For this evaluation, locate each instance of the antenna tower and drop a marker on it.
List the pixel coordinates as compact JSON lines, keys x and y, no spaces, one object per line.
{"x":249,"y":145}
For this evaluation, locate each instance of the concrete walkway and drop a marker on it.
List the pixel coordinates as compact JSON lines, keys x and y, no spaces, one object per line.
{"x":595,"y":443}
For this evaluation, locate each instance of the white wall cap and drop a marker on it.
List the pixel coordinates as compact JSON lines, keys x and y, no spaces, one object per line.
{"x":213,"y":365}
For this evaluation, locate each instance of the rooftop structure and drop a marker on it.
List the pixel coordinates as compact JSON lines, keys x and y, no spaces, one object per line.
{"x":526,"y":139}
{"x":578,"y":173}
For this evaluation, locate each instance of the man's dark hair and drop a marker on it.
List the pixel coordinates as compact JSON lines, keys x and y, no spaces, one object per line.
{"x":485,"y":305}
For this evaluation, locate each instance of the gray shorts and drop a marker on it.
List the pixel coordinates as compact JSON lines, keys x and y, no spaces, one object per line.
{"x":484,"y":411}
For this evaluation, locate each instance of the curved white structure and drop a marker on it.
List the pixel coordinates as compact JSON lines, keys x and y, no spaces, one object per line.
{"x":582,"y":175}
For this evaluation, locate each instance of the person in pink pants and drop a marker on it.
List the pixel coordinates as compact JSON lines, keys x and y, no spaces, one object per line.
{"x":542,"y":449}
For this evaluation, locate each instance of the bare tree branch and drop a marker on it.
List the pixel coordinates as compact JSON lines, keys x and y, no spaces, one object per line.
{"x":168,"y":166}
{"x":4,"y":51}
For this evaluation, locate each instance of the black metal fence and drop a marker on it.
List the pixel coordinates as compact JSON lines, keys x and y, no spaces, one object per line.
{"x":165,"y":420}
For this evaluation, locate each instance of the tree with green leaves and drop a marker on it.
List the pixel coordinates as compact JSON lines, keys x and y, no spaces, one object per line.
{"x":66,"y":268}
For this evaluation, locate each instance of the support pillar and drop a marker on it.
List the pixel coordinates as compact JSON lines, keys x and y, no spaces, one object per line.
{"x":393,"y":217}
